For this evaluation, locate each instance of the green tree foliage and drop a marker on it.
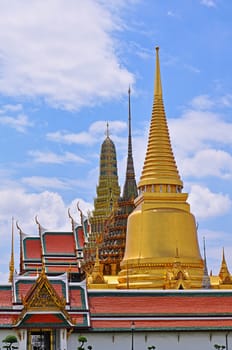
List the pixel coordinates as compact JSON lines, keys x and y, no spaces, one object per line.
{"x":9,"y":341}
{"x":219,"y":347}
{"x":82,"y":340}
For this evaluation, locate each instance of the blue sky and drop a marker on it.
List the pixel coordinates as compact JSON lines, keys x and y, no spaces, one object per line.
{"x":65,"y":68}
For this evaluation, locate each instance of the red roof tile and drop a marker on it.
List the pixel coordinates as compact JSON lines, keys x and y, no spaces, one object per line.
{"x":77,"y":319}
{"x":153,"y":304}
{"x":80,"y":237}
{"x":44,"y":318}
{"x":157,"y":324}
{"x":22,"y":288}
{"x":56,"y":242}
{"x":75,"y":298}
{"x":7,"y":319}
{"x":32,"y":248}
{"x":5,"y":297}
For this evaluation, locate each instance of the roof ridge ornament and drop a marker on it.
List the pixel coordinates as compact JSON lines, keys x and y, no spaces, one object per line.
{"x":40,"y":227}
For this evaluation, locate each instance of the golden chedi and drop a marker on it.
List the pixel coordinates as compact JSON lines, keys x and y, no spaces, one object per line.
{"x":162,"y":248}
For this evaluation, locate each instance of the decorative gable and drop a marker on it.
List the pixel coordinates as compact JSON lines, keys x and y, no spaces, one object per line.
{"x":42,"y":300}
{"x":43,"y":296}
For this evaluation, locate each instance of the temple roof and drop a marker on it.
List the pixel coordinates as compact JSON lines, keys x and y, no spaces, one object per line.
{"x":160,"y":310}
{"x":57,"y":251}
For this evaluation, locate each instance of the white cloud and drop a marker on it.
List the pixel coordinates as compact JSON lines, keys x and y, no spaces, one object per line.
{"x":202,"y":102}
{"x":115,"y":126}
{"x":46,"y":46}
{"x":201,"y":139}
{"x":11,"y":108}
{"x":173,"y":14}
{"x":54,"y":158}
{"x":208,"y":3}
{"x":226,"y":100}
{"x":70,"y":138}
{"x":196,"y":130}
{"x":19,"y":123}
{"x":206,"y":102}
{"x":208,"y":162}
{"x":89,"y":137}
{"x":40,"y":182}
{"x":205,"y":204}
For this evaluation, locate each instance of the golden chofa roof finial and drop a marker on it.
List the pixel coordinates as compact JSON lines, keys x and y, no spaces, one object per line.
{"x":159,"y":168}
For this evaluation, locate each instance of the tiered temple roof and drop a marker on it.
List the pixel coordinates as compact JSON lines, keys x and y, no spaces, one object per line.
{"x":56,"y":252}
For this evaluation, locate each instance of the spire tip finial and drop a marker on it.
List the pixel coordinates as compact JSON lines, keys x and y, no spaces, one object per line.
{"x":107,"y":130}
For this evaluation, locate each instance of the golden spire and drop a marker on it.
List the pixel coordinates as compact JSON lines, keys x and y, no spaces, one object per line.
{"x":11,"y":265}
{"x":97,"y":275}
{"x":161,"y":238}
{"x":159,"y":166}
{"x":224,"y":273}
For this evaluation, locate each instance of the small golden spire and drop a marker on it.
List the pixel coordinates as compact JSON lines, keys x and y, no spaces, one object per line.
{"x":224,"y":273}
{"x":11,"y":265}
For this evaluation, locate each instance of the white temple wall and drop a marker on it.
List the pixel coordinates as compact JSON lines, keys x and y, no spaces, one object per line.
{"x":161,"y":340}
{"x":142,"y":340}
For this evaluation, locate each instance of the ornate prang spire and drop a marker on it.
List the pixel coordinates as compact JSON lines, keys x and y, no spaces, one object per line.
{"x":130,"y":188}
{"x":159,"y":166}
{"x":11,"y":265}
